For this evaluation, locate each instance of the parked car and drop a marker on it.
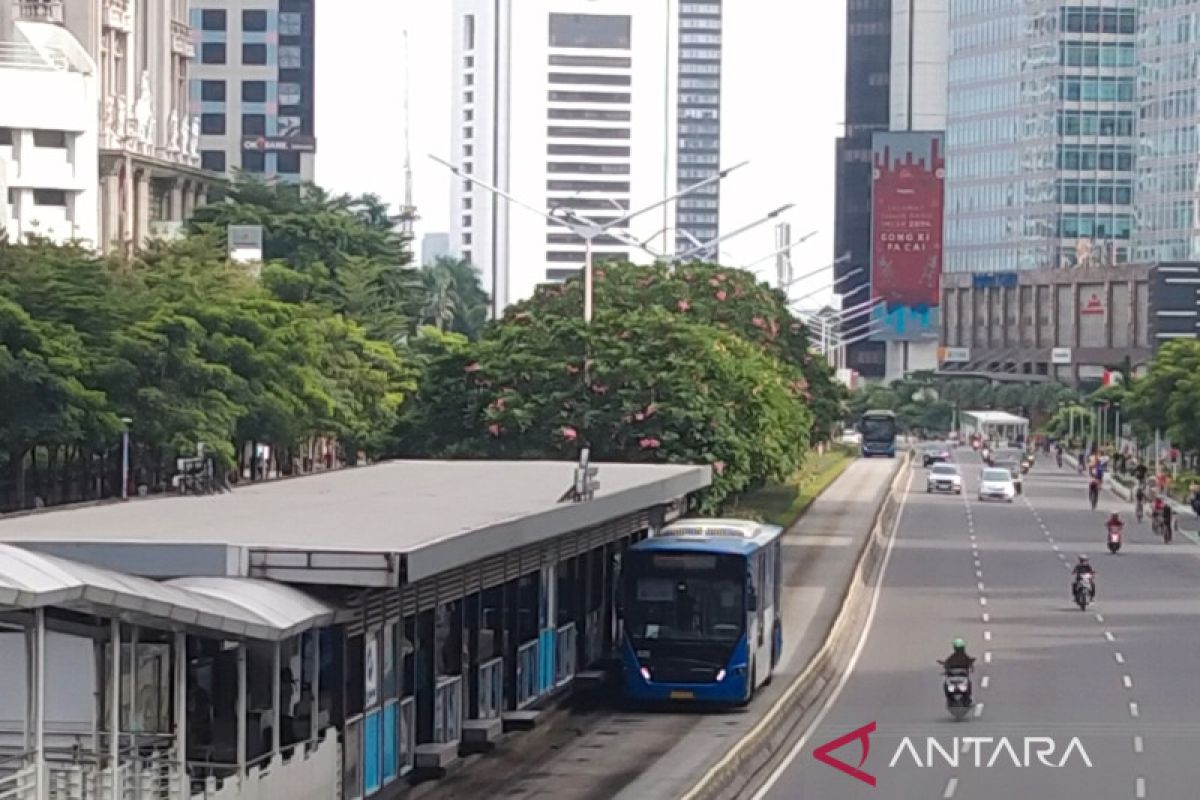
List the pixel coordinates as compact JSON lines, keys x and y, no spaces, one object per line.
{"x":936,"y":454}
{"x":944,"y":478}
{"x":996,"y":484}
{"x":851,"y":437}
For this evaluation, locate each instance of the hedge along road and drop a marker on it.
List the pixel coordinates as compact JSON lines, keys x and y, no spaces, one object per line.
{"x":635,"y":755}
{"x":1119,"y":677}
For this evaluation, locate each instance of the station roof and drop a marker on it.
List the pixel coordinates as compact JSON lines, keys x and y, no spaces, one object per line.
{"x":996,"y":418}
{"x":245,"y":609}
{"x":379,"y":525}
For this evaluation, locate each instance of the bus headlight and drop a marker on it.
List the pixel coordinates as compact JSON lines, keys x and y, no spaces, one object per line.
{"x":646,"y":674}
{"x":720,"y":675}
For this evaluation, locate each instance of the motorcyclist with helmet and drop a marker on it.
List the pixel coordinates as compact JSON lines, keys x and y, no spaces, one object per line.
{"x":1084,"y":567}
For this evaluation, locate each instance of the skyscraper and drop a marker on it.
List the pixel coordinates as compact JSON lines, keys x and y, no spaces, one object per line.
{"x":253,"y":86}
{"x":698,"y":215}
{"x":1040,"y":139}
{"x":868,"y":61}
{"x":1168,"y":161}
{"x":546,"y":107}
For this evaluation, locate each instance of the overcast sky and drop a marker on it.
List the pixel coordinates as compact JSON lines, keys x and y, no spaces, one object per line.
{"x":781,"y":108}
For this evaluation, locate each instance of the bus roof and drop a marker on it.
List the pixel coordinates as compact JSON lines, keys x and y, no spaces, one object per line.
{"x":715,"y":535}
{"x":879,"y":412}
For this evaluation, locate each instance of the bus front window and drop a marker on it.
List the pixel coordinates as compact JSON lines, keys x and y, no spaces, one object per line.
{"x":695,"y":608}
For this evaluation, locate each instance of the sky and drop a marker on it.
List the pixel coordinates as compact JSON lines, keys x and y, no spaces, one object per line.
{"x":782,"y":104}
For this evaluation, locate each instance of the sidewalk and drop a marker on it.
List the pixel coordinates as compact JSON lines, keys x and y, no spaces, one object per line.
{"x":636,"y":755}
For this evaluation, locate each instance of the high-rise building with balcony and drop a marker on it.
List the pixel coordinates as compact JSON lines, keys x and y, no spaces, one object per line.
{"x":698,"y":215}
{"x":48,"y":131}
{"x":561,"y":104}
{"x":868,"y":77}
{"x":253,"y":86}
{"x":1040,"y":134}
{"x":149,"y":166}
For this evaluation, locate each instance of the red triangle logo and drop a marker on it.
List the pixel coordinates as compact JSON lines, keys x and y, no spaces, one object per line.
{"x":862,"y":735}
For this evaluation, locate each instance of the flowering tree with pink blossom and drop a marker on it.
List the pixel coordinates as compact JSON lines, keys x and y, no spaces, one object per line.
{"x":732,"y":300}
{"x":646,"y":385}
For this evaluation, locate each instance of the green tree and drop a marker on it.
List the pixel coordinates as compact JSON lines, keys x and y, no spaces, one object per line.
{"x":731,"y":300}
{"x":453,"y":298}
{"x":658,"y":388}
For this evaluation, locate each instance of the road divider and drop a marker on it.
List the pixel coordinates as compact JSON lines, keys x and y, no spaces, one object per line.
{"x":742,"y":765}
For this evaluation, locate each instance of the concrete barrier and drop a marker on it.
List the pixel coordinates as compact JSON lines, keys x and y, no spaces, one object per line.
{"x":744,"y":761}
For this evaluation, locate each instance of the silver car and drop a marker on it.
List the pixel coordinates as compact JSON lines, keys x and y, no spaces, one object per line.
{"x":944,"y":477}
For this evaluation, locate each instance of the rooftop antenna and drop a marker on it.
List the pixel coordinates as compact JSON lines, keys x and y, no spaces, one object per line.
{"x":408,"y":212}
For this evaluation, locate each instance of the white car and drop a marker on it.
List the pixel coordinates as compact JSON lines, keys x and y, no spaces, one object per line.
{"x":944,"y":477}
{"x":851,"y":437}
{"x":996,"y":484}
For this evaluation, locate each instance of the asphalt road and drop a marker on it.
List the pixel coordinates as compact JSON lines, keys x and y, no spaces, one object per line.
{"x":1122,"y":677}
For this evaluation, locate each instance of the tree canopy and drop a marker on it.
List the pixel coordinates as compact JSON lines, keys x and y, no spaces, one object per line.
{"x":641,"y":386}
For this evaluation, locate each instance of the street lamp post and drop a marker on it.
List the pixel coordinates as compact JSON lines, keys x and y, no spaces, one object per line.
{"x":587,"y":229}
{"x":126,"y":421}
{"x":712,"y":244}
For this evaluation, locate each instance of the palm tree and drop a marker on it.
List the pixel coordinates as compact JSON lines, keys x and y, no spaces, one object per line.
{"x":453,"y":297}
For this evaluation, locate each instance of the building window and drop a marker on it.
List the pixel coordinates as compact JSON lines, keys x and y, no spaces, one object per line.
{"x":467,"y":203}
{"x":469,"y":32}
{"x":466,"y":220}
{"x":468,"y":115}
{"x":561,"y":132}
{"x":287,"y":163}
{"x":608,"y":31}
{"x":468,"y":132}
{"x":254,"y":162}
{"x":254,"y":54}
{"x":620,"y":62}
{"x":468,"y":97}
{"x":213,"y":19}
{"x":590,"y":78}
{"x":289,"y":94}
{"x":212,"y":53}
{"x":466,"y":237}
{"x":254,"y":124}
{"x":254,"y":20}
{"x":213,"y":160}
{"x":212,"y":124}
{"x":287,"y":126}
{"x":212,"y":91}
{"x":50,"y":139}
{"x":254,"y":91}
{"x":466,"y":255}
{"x":6,"y":136}
{"x":468,"y":61}
{"x":291,"y":23}
{"x":589,"y":97}
{"x":290,"y":57}
{"x":468,"y":150}
{"x":49,"y":197}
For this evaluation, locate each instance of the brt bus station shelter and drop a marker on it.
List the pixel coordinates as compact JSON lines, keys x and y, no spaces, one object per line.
{"x":315,"y":637}
{"x":995,"y":426}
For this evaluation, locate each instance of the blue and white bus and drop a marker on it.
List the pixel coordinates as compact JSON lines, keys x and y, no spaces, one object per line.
{"x":701,"y":603}
{"x":878,"y":430}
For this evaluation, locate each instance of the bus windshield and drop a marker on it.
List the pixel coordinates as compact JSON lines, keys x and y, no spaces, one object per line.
{"x":878,"y":429}
{"x":678,"y":597}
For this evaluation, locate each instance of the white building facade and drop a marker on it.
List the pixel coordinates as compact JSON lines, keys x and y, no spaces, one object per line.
{"x":560,"y":103}
{"x":48,"y":134}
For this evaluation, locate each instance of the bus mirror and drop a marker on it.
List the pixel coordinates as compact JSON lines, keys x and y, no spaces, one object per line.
{"x":752,"y":600}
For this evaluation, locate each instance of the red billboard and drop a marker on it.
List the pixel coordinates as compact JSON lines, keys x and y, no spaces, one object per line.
{"x":907,"y":193}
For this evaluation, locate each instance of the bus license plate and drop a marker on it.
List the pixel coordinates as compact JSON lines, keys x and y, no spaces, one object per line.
{"x":683,"y":695}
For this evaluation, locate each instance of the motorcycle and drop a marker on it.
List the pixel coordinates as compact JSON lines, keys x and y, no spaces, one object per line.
{"x":956,"y":684}
{"x":1114,"y":538}
{"x":1083,"y":591}
{"x":1025,"y":465}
